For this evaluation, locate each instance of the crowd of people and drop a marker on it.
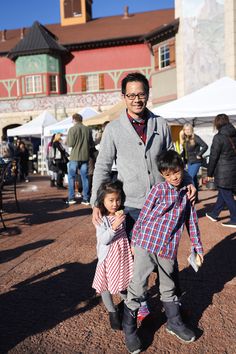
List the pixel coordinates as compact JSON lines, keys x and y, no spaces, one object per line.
{"x":143,"y":192}
{"x":18,"y":152}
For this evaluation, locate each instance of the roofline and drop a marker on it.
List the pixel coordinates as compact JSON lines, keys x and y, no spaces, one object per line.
{"x":104,"y":43}
{"x":166,"y":30}
{"x":17,"y":54}
{"x":161,"y":33}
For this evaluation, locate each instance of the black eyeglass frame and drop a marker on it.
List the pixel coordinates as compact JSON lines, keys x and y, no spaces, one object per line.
{"x":132,"y":96}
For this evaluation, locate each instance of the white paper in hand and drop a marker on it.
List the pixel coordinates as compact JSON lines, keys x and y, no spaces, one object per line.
{"x":192,"y":261}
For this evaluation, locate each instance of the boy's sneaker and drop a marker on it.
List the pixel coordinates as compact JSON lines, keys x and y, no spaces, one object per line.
{"x":143,"y":312}
{"x":229,"y":224}
{"x":212,"y":218}
{"x":70,"y":201}
{"x":85,"y":202}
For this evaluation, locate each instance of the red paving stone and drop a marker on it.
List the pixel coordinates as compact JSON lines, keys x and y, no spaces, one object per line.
{"x":48,"y":259}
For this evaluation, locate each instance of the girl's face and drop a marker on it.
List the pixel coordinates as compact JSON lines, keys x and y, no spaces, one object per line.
{"x":188,"y":131}
{"x":112,"y":202}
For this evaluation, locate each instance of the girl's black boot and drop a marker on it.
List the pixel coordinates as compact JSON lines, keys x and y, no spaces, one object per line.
{"x":115,"y":322}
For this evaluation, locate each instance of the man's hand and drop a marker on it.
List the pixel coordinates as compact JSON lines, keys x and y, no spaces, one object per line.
{"x":192,"y":193}
{"x":210,"y":179}
{"x":97,"y":216}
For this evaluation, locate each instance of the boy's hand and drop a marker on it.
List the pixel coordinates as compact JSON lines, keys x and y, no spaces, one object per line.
{"x":192,"y":193}
{"x":118,"y":221}
{"x":199,"y":259}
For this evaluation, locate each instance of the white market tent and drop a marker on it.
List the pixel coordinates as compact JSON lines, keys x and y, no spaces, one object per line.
{"x":64,"y":125}
{"x":201,"y":106}
{"x":35,"y":127}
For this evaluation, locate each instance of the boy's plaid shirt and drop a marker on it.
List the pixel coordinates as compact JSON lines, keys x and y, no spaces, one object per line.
{"x":161,"y":221}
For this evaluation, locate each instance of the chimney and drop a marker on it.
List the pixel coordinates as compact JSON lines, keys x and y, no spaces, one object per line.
{"x":22,"y":33}
{"x":126,"y":12}
{"x":4,"y":35}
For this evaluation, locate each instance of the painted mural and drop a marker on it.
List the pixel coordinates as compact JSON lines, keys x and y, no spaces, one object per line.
{"x":203,"y":38}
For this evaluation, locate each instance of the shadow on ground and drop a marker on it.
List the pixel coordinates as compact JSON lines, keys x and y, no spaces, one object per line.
{"x":43,"y":301}
{"x":8,"y":255}
{"x":40,"y":211}
{"x":219,"y":267}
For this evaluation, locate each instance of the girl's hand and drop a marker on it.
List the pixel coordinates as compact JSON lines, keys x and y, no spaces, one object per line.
{"x":119,"y":219}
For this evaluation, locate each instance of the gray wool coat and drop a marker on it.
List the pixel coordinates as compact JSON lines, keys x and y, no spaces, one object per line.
{"x":136,"y":161}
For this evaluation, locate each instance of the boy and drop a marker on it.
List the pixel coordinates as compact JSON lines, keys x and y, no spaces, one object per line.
{"x":155,"y":241}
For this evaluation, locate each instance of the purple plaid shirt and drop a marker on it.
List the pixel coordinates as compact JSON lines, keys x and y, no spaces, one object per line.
{"x":162,"y":219}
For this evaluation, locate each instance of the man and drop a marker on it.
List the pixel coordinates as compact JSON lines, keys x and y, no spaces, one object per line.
{"x":134,"y":141}
{"x":78,"y":140}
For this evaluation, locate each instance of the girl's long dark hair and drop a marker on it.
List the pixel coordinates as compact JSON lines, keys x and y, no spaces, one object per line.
{"x":107,"y":188}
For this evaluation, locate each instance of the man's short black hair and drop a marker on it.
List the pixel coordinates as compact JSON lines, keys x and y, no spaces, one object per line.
{"x":135,"y":77}
{"x":169,"y":160}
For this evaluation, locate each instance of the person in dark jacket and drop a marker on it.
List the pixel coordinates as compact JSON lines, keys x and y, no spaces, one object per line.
{"x":60,"y":160}
{"x":193,"y":148}
{"x":222,"y":165}
{"x":23,"y":155}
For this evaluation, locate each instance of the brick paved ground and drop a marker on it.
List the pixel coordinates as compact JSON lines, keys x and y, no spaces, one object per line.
{"x":47,"y":262}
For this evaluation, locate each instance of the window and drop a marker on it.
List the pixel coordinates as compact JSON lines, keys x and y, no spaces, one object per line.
{"x":53,"y":83}
{"x":92,"y":83}
{"x":164,"y":56}
{"x":33,"y":84}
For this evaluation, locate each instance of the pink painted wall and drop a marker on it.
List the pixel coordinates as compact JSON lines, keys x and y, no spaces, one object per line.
{"x":113,"y":58}
{"x":94,"y":60}
{"x":7,"y":71}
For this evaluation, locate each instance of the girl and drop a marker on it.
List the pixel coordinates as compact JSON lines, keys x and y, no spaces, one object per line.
{"x":115,"y":262}
{"x":194,"y":147}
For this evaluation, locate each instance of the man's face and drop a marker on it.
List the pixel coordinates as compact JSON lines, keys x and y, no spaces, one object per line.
{"x":135,"y":105}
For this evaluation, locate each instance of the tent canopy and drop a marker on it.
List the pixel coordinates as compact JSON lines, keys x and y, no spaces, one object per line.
{"x":202,"y":105}
{"x":108,"y":115}
{"x":64,"y":125}
{"x":35,"y":127}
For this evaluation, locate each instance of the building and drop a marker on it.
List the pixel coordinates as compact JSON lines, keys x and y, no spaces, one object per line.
{"x":81,"y":61}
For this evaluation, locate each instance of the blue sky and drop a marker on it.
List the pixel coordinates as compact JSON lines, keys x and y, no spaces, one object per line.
{"x":22,"y":13}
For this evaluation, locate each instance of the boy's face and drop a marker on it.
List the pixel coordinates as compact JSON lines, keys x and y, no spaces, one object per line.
{"x":174,"y":177}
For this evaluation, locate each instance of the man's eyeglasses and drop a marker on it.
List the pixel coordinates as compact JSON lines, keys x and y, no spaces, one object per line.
{"x":132,"y":96}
